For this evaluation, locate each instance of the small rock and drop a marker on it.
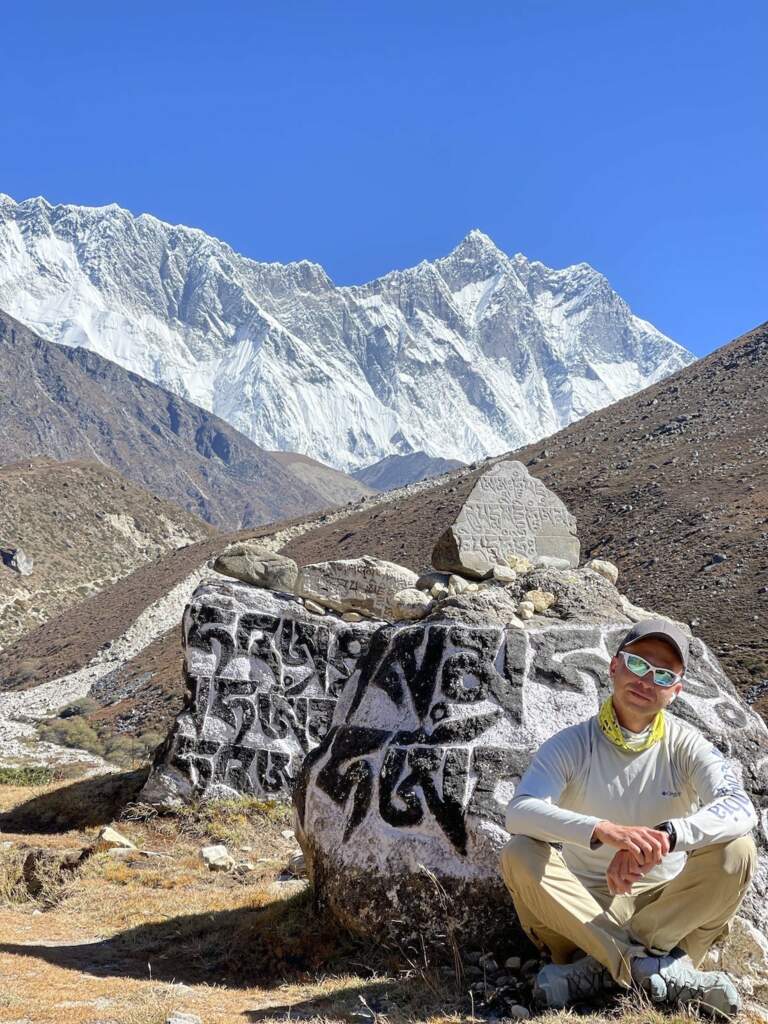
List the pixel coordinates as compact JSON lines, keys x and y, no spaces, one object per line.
{"x":410,"y":603}
{"x":288,"y":833}
{"x":518,"y":1012}
{"x":513,"y":963}
{"x":504,"y":574}
{"x":439,"y":591}
{"x":429,"y":579}
{"x":520,"y":563}
{"x":457,"y":584}
{"x":551,"y":562}
{"x":110,"y":839}
{"x":540,"y":599}
{"x":314,"y":607}
{"x":182,"y":1017}
{"x":297,"y":865}
{"x":352,"y":617}
{"x":217,"y":858}
{"x":526,"y":609}
{"x":606,"y":569}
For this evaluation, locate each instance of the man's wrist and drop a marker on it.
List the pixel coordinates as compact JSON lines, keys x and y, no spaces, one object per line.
{"x":671,"y":833}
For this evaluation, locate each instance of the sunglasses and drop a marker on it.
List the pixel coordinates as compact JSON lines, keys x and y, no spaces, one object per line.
{"x":640,"y":667}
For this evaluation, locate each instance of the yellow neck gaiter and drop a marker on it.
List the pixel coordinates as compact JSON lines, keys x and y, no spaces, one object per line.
{"x":611,"y":729}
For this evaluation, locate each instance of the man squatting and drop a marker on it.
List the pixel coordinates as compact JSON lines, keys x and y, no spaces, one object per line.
{"x":656,"y":853}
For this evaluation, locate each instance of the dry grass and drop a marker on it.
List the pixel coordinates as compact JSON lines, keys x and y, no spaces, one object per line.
{"x":126,"y":940}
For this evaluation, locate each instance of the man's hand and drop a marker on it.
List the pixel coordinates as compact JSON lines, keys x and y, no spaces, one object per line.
{"x":624,"y":871}
{"x":647,"y":845}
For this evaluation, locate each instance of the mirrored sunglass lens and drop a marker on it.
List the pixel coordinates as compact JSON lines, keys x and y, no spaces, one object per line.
{"x":664,"y":678}
{"x":638,"y":666}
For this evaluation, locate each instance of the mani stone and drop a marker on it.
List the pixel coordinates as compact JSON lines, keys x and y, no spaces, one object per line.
{"x":507,"y":512}
{"x":263,"y":676}
{"x":400,"y":809}
{"x":252,"y":563}
{"x":356,"y":585}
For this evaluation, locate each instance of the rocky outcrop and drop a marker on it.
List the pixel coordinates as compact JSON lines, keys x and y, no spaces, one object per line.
{"x":400,"y":809}
{"x":263,"y":676}
{"x":508,"y":513}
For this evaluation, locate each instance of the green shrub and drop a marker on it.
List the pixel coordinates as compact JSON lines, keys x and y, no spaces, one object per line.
{"x":25,"y":775}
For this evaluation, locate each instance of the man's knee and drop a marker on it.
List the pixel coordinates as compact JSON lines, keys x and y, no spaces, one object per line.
{"x":523,"y":858}
{"x":739,"y":857}
{"x":736,"y":858}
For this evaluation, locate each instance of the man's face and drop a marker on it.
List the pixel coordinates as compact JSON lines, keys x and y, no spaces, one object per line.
{"x":642,"y":697}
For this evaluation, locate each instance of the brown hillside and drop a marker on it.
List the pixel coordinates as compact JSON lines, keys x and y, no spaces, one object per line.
{"x":85,"y":526}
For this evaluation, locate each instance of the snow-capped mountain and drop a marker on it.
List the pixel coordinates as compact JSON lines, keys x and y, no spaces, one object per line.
{"x":470,"y":355}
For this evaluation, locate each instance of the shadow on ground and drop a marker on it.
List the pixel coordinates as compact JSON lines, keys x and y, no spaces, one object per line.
{"x":243,"y":947}
{"x":97,"y":800}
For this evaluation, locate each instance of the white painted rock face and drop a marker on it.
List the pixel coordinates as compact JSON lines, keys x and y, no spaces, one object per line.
{"x":427,"y":744}
{"x":263,"y":676}
{"x":356,"y":585}
{"x":508,"y":512}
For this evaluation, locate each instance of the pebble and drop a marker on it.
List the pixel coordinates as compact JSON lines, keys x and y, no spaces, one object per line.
{"x":314,"y":607}
{"x":518,"y":1012}
{"x":513,"y":963}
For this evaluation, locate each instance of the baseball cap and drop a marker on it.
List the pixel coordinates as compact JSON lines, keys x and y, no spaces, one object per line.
{"x":664,"y":630}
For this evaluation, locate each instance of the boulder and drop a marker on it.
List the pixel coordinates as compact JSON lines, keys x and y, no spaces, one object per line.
{"x":18,"y":560}
{"x":356,"y":584}
{"x":263,"y":675}
{"x":251,"y":562}
{"x":400,"y":809}
{"x":507,"y":512}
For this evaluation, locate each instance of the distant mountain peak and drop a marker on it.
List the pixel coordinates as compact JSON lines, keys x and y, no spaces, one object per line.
{"x":461,"y":357}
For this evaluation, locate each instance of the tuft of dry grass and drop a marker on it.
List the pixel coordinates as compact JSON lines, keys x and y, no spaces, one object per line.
{"x":234,"y":821}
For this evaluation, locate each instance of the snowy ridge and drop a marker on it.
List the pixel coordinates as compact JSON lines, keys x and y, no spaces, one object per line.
{"x":470,"y":355}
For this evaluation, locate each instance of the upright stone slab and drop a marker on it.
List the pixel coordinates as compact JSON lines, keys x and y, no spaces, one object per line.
{"x":508,"y":511}
{"x":356,"y":584}
{"x":263,"y":678}
{"x":408,"y":790}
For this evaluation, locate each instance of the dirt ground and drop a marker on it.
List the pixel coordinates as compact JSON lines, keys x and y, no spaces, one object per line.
{"x":130,"y":938}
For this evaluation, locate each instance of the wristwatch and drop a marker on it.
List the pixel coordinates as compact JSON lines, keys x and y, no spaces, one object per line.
{"x":669,"y":828}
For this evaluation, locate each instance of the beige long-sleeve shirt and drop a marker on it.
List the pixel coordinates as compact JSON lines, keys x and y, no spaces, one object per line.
{"x":578,"y":778}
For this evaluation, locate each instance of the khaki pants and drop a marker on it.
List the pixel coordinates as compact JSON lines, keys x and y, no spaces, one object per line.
{"x":692,"y":910}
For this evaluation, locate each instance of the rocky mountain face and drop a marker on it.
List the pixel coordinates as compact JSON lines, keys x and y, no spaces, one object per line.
{"x":401,"y":470}
{"x":671,"y":485}
{"x":81,"y":527}
{"x":462,"y":357}
{"x":69,"y":403}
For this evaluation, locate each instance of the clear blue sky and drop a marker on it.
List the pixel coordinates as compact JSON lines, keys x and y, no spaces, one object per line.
{"x":631,"y":134}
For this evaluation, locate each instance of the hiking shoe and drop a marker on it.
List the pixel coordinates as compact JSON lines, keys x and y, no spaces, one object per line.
{"x":705,"y":990}
{"x":559,"y":985}
{"x":672,"y":979}
{"x":647,"y":972}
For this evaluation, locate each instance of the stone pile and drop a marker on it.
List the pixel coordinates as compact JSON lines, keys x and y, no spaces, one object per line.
{"x":400,"y":710}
